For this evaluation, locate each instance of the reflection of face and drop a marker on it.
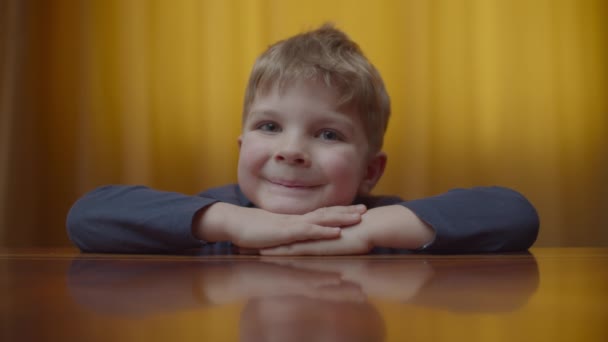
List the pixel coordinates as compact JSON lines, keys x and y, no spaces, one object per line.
{"x":299,"y":152}
{"x":294,"y":318}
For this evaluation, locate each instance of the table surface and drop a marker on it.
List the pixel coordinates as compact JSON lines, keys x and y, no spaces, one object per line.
{"x":549,"y":294}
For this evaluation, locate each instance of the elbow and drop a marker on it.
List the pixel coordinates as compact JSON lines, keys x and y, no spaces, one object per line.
{"x":83,"y":223}
{"x":523,"y":221}
{"x":77,"y":226}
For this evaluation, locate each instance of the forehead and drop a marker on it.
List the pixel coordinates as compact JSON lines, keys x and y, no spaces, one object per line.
{"x":298,"y":90}
{"x":302,"y":95}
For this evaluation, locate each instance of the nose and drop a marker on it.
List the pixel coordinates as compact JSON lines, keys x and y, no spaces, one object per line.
{"x":293,"y":152}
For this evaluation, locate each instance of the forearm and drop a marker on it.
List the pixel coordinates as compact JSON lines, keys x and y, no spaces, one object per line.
{"x":395,"y":226}
{"x":213,"y":223}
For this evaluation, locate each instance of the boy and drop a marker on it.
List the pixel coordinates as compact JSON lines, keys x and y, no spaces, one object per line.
{"x":314,"y":117}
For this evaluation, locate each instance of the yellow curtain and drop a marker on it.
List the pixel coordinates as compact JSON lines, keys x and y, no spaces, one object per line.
{"x":508,"y":92}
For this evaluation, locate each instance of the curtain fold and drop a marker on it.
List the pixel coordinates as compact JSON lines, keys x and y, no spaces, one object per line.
{"x":149,"y":92}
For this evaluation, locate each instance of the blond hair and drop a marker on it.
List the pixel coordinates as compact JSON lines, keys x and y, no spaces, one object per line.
{"x":328,"y":55}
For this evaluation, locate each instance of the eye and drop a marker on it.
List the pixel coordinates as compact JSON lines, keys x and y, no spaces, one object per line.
{"x":269,"y":127}
{"x":328,"y":134}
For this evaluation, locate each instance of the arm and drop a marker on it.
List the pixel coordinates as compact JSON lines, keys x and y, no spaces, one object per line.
{"x":477,"y":220}
{"x":134,"y":219}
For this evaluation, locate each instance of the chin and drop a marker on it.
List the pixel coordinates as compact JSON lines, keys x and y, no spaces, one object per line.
{"x":288,"y":208}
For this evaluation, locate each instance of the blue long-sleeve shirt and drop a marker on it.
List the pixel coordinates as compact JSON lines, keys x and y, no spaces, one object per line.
{"x":137,"y":219}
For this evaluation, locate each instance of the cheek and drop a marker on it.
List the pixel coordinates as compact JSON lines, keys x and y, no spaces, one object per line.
{"x":343,"y":168}
{"x":252,"y":154}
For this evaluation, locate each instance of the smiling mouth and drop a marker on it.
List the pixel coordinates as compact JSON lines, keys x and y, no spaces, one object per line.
{"x":292,"y":185}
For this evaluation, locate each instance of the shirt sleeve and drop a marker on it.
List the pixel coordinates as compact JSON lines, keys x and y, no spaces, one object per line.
{"x":134,"y":219}
{"x":478,"y":220}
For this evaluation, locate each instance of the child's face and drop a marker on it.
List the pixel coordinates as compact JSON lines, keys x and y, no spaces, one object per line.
{"x":299,"y":152}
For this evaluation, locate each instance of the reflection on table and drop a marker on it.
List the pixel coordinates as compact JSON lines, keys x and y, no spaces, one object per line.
{"x":304,"y":299}
{"x":554,"y":294}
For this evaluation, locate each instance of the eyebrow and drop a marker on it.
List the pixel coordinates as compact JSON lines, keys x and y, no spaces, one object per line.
{"x":340,"y":118}
{"x":335,"y":116}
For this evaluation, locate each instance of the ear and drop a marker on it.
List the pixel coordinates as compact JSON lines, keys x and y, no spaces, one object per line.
{"x":374,"y":170}
{"x":240,"y":141}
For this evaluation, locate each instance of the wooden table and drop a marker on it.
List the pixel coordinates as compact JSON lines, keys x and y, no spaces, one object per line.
{"x":558,"y":294}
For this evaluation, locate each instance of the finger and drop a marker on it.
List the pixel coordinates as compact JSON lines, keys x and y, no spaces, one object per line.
{"x":303,"y":232}
{"x":322,"y":247}
{"x":278,"y":251}
{"x":338,"y":216}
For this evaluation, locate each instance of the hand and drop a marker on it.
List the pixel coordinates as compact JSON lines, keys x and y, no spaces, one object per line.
{"x":390,"y":226}
{"x":352,"y":240}
{"x":257,"y":228}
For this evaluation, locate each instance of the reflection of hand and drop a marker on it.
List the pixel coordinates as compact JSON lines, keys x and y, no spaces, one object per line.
{"x":378,"y":278}
{"x":256,"y":280}
{"x":257,"y":228}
